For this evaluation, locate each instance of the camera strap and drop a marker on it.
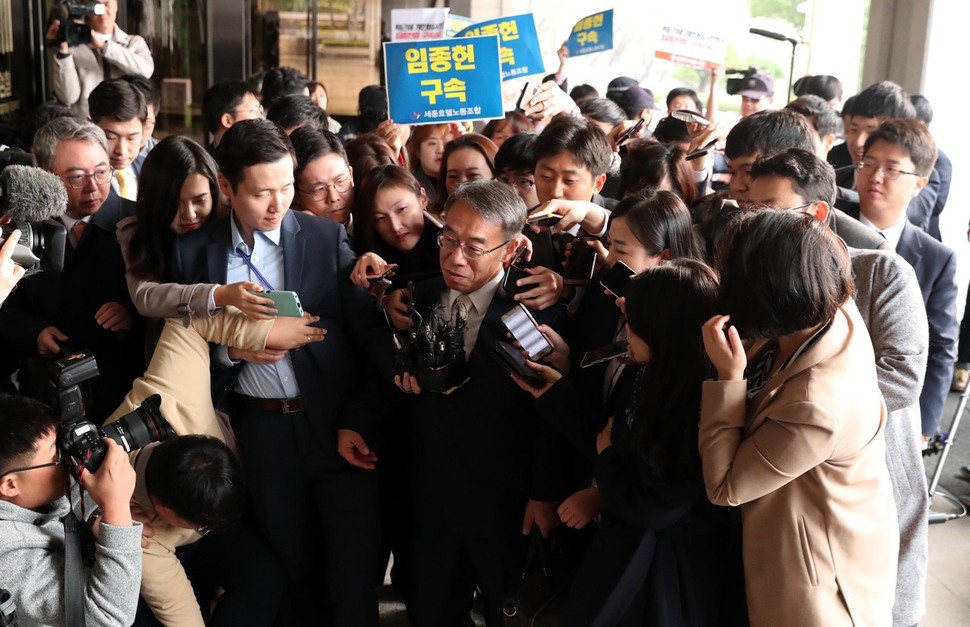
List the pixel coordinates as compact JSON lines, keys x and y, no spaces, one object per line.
{"x":73,"y":573}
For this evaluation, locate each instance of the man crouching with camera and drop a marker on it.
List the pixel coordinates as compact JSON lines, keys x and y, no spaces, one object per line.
{"x":36,"y":493}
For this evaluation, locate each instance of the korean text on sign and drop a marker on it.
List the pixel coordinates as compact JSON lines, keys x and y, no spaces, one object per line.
{"x":593,"y":33}
{"x":520,"y":52}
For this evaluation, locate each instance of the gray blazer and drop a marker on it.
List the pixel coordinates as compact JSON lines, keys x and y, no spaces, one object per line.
{"x":891,"y":304}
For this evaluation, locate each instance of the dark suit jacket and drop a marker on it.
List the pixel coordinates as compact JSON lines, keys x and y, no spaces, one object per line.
{"x":839,"y":156}
{"x":317,"y":261}
{"x":854,"y":233}
{"x":94,"y":274}
{"x":480,"y":452}
{"x":935,"y":267}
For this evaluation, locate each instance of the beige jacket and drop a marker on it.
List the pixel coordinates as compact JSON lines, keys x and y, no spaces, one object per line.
{"x":805,"y":461}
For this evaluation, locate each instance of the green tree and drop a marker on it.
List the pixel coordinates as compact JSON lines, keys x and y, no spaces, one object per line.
{"x":783,"y":9}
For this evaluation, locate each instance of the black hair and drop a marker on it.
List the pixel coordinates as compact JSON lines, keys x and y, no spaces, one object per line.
{"x":579,"y":93}
{"x":199,"y":478}
{"x":671,"y":130}
{"x":584,"y":141}
{"x":822,"y":85}
{"x":163,"y":174}
{"x":366,"y":152}
{"x":297,"y":110}
{"x":812,"y":178}
{"x":37,"y":117}
{"x":517,"y":120}
{"x":884,"y":99}
{"x":147,"y":88}
{"x":372,"y":105}
{"x":281,"y":81}
{"x":769,"y":132}
{"x":376,"y":180}
{"x":603,"y":110}
{"x":924,"y":110}
{"x":517,"y":153}
{"x":310,"y":144}
{"x":676,"y":92}
{"x":660,"y":221}
{"x":23,"y":422}
{"x":221,"y":98}
{"x":781,"y":272}
{"x":666,"y":307}
{"x":248,"y":143}
{"x":118,"y":100}
{"x":912,"y":136}
{"x":472,"y":141}
{"x":818,"y":112}
{"x":648,"y":163}
{"x":847,"y":105}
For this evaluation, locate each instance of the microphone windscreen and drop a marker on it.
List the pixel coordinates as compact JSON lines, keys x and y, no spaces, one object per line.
{"x":31,"y":194}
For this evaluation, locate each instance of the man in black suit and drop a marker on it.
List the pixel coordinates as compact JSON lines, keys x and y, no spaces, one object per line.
{"x":292,"y":409}
{"x":86,"y":306}
{"x":485,"y":470}
{"x":896,"y":163}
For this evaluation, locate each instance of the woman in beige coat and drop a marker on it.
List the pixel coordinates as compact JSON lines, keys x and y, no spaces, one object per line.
{"x":792,"y":431}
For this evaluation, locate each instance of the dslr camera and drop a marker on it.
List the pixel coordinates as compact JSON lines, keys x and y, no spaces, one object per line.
{"x":736,"y":84}
{"x":42,"y":244}
{"x":74,"y":30}
{"x":8,"y":610}
{"x":80,"y":440}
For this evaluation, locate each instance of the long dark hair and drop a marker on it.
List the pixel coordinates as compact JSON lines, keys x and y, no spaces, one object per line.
{"x":474,"y":141}
{"x":164,"y":172}
{"x":660,"y":221}
{"x":374,"y":181}
{"x":666,"y":307}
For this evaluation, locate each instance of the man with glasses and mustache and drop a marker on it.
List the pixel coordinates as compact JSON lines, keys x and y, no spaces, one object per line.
{"x":86,"y":305}
{"x":34,"y":498}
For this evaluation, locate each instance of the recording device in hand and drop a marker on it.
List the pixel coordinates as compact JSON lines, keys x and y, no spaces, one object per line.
{"x":735,"y":85}
{"x":616,"y":278}
{"x":600,"y":354}
{"x":8,"y":610}
{"x":689,"y":117}
{"x":71,"y":14}
{"x":580,"y":263}
{"x":512,"y":360}
{"x":530,"y":89}
{"x":525,"y":330}
{"x":433,"y":351}
{"x":80,"y":440}
{"x":516,"y":271}
{"x":286,"y":303}
{"x":33,"y":198}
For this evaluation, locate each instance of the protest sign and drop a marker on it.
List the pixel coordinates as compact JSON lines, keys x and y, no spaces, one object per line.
{"x":593,"y":33}
{"x":456,"y":23}
{"x":444,"y":81}
{"x":418,"y":24}
{"x":520,"y":52}
{"x":700,"y":48}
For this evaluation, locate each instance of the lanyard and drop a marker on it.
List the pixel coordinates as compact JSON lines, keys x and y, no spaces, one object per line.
{"x":249,"y":262}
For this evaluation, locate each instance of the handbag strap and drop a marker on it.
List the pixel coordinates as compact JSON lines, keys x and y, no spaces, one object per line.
{"x":73,"y":574}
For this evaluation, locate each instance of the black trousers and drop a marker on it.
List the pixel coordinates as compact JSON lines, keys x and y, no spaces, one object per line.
{"x":321,"y":515}
{"x":238,"y":561}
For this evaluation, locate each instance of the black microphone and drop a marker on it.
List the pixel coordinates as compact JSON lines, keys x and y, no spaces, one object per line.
{"x":772,"y":35}
{"x":31,"y":194}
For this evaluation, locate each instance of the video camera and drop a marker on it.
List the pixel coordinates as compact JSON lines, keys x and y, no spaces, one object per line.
{"x":33,"y":198}
{"x":735,"y":85}
{"x":80,"y":440}
{"x":74,"y":30}
{"x":8,"y":610}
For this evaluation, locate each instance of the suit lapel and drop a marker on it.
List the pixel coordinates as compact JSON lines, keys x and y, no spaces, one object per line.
{"x":294,"y":249}
{"x":909,"y":246}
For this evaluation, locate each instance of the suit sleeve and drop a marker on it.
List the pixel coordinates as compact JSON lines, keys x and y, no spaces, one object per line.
{"x":19,"y":324}
{"x":941,"y":313}
{"x":793,"y":440}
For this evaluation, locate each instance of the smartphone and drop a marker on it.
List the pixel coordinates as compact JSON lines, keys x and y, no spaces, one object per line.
{"x":543,"y":219}
{"x":703,"y":150}
{"x":514,"y":272}
{"x":513,"y":361}
{"x":530,"y":89}
{"x":433,"y":219}
{"x":286,"y":303}
{"x":616,"y":278}
{"x":631,"y":132}
{"x":690,"y":117}
{"x":604,"y":353}
{"x":525,"y":330}
{"x":580,"y":263}
{"x":376,"y":278}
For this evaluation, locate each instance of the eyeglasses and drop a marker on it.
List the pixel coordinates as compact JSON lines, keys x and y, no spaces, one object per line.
{"x":449,"y":244}
{"x":891,"y":173}
{"x":255,"y":110}
{"x":80,"y":181}
{"x":800,"y":208}
{"x":520,"y":183}
{"x":341,"y":185}
{"x":57,"y":460}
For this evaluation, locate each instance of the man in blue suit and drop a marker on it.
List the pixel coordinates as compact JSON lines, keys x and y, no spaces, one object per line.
{"x":896,"y":164}
{"x":290,"y":408}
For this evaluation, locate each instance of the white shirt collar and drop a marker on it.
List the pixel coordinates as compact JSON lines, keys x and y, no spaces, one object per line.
{"x":481,"y":298}
{"x":891,"y":233}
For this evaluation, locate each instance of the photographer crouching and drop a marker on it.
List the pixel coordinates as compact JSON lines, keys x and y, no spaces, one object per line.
{"x":37,"y":496}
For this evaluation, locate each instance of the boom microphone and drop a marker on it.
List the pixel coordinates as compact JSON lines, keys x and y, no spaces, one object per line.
{"x":31,"y":194}
{"x":772,"y":35}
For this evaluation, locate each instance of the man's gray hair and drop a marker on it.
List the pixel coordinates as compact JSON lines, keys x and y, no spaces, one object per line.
{"x":64,"y":129}
{"x":496,"y":202}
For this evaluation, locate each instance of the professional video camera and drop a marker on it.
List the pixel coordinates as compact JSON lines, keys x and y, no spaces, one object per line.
{"x":735,"y":85}
{"x":33,"y":198}
{"x":74,"y":30}
{"x":80,"y":440}
{"x":8,"y":610}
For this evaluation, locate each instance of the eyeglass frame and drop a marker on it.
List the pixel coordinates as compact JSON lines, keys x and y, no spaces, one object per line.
{"x":477,"y":253}
{"x":56,"y":462}
{"x":325,"y":188}
{"x":886,"y":170}
{"x":519,"y":183}
{"x":800,"y":208}
{"x":86,"y":177}
{"x":258,"y":109}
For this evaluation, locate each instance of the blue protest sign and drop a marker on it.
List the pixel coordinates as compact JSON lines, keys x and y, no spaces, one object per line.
{"x":451,"y":80}
{"x":520,"y":51}
{"x":593,"y":33}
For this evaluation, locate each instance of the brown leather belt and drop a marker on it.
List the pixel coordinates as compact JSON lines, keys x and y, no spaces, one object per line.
{"x":272,"y":405}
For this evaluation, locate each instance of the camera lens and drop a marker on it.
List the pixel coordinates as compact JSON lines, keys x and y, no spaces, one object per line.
{"x":141,"y":427}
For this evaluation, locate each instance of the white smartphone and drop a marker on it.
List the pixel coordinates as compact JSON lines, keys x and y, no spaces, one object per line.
{"x":526,"y":331}
{"x":689,"y":116}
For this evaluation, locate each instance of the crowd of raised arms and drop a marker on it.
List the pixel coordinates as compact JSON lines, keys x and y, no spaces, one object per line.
{"x":694,"y":363}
